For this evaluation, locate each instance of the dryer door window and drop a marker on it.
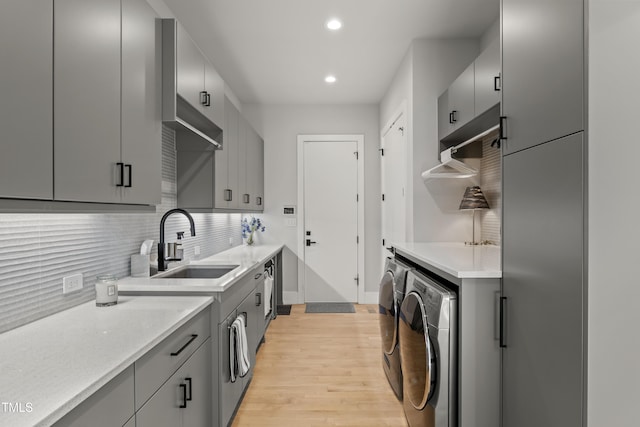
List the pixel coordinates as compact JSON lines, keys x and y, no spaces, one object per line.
{"x":387,"y":313}
{"x":416,"y":352}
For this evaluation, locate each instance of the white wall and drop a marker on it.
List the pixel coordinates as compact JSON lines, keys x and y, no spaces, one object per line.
{"x":428,"y":68}
{"x":614,"y":293}
{"x":280,"y":125}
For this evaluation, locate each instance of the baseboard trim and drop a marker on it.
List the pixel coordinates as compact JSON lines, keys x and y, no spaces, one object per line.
{"x":289,"y":297}
{"x":371,"y":297}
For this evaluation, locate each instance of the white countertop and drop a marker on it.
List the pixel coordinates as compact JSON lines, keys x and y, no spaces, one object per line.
{"x":457,"y":259}
{"x":57,"y":362}
{"x":246,"y":257}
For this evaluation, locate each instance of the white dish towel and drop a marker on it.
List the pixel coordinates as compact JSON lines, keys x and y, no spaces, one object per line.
{"x":239,"y":363}
{"x":268,"y":293}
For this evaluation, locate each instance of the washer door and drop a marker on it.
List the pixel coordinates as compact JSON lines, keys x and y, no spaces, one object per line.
{"x":416,"y":352}
{"x":388,"y":313}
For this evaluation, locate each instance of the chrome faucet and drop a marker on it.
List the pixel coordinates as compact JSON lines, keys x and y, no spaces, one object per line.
{"x":162,"y":261}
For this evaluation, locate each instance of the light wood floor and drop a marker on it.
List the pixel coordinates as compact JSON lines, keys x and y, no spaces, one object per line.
{"x":321,"y":370}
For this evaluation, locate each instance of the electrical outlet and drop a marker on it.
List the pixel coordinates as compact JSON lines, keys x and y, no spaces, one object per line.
{"x":72,"y":283}
{"x":196,"y":250}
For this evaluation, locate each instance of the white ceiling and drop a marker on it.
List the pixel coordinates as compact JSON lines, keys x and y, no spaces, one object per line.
{"x":279,"y":51}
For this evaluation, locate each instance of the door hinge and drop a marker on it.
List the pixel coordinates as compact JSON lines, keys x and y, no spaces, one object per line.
{"x":383,"y":197}
{"x":358,"y":239}
{"x":356,"y":153}
{"x":382,"y":242}
{"x":357,"y":197}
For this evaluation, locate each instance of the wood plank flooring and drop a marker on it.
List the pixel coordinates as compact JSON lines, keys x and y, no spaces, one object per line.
{"x":321,"y":370}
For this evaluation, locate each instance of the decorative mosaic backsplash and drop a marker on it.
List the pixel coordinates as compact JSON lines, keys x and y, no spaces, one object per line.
{"x":38,"y":250}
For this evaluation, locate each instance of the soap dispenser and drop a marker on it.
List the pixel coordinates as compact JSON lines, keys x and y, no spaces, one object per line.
{"x":179,"y":250}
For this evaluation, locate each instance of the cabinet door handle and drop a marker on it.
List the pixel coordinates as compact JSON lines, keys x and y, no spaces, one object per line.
{"x":189,"y":396}
{"x":450,"y":118}
{"x":228,"y":195}
{"x":181,"y":349}
{"x":184,"y":396}
{"x":203,"y":97}
{"x":120,"y":166}
{"x":503,"y":125}
{"x":246,"y":198}
{"x":496,"y":83}
{"x":257,"y":276}
{"x":259,"y":201}
{"x":503,"y":315}
{"x":130,"y":172}
{"x":258,"y":299}
{"x":208,"y":103}
{"x":454,"y":115}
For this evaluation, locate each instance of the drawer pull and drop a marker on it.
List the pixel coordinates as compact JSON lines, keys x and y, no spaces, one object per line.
{"x":188,"y":381}
{"x":193,"y":337}
{"x":184,"y":395}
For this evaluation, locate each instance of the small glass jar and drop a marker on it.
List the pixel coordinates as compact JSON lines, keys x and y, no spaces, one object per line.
{"x":106,"y":290}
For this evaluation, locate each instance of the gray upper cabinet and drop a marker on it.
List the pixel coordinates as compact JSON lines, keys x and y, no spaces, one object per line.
{"x":141,"y":102}
{"x":226,"y":173}
{"x":106,"y":121}
{"x":190,"y":69}
{"x":87,"y":100}
{"x":198,"y":82}
{"x":487,"y":78}
{"x":542,"y":73}
{"x":214,"y":87}
{"x":444,"y":127}
{"x":26,"y":108}
{"x":461,"y":98}
{"x":255,"y":171}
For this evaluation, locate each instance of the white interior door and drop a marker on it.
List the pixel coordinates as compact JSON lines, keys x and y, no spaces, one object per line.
{"x":394,"y":166}
{"x":330,"y":221}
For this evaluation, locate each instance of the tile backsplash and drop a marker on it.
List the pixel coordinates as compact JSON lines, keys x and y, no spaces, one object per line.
{"x":38,"y":249}
{"x":491,"y":184}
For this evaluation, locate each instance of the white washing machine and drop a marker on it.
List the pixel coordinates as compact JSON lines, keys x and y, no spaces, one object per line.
{"x":428,"y":352}
{"x":390,"y":298}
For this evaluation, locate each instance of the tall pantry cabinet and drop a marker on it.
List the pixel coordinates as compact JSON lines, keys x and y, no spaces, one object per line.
{"x":543,"y":302}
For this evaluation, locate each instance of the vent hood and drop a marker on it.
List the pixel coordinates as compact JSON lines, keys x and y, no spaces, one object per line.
{"x":452,"y":168}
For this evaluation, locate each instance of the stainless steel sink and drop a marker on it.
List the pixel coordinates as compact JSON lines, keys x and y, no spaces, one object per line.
{"x":197,"y":272}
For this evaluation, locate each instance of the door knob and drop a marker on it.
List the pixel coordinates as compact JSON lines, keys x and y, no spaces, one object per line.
{"x":309,"y":242}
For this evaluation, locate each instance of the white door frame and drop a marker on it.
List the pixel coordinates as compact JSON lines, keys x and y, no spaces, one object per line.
{"x":401,"y":111}
{"x":359,"y":139}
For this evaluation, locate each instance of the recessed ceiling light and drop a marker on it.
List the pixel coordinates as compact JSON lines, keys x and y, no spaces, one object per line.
{"x":334,"y":24}
{"x":330,"y":79}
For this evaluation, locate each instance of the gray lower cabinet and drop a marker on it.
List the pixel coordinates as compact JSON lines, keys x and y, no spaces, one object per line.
{"x":543,"y":283}
{"x":240,"y":301}
{"x":26,"y":108}
{"x":542,"y":71}
{"x":105,"y":153}
{"x":184,"y":399}
{"x":111,"y":406}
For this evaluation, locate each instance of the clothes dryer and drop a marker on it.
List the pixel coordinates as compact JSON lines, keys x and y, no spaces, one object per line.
{"x":428,"y":352}
{"x":390,"y":298}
